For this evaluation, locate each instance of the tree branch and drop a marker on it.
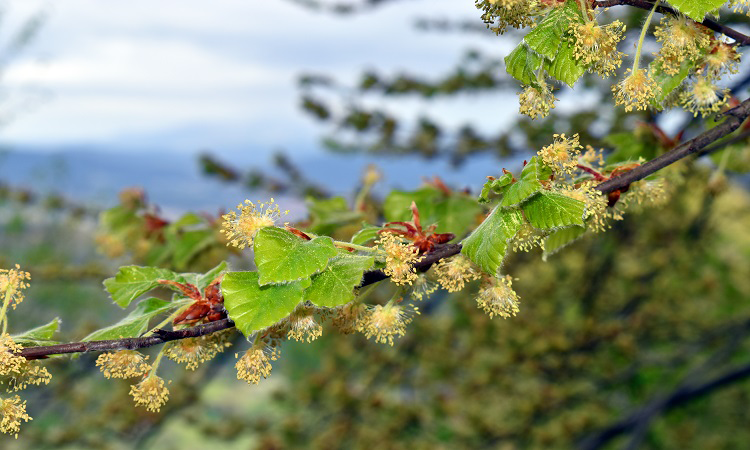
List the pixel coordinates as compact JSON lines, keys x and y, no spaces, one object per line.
{"x":713,"y":25}
{"x":734,"y":116}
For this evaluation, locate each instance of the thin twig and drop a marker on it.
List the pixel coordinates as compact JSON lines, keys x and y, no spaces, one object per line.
{"x":711,"y":24}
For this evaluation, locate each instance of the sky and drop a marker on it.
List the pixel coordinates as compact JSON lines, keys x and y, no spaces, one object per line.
{"x":183,"y":75}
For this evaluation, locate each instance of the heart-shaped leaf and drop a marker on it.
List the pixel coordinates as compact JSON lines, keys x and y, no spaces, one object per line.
{"x":281,"y":256}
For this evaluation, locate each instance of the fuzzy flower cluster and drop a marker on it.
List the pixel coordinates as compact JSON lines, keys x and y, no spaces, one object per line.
{"x":399,"y":259}
{"x":255,"y":363}
{"x":386,"y":322}
{"x":123,"y":364}
{"x":636,"y":90}
{"x":347,"y":318}
{"x":453,"y":273}
{"x":740,"y":6}
{"x":240,"y":228}
{"x":12,"y":284}
{"x":536,"y":101}
{"x":497,"y":298}
{"x":596,"y":214}
{"x":195,"y":351}
{"x":501,"y":14}
{"x":562,"y":154}
{"x":423,"y":287}
{"x":152,"y":393}
{"x":704,"y":97}
{"x":12,"y":412}
{"x":527,"y":238}
{"x":10,"y":360}
{"x":30,"y":373}
{"x":303,"y":327}
{"x":596,"y":46}
{"x":721,"y":59}
{"x":682,"y":40}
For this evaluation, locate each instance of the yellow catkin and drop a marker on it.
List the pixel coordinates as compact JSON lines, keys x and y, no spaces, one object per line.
{"x":10,"y":361}
{"x":497,"y":298}
{"x":195,"y":351}
{"x":704,"y":97}
{"x":423,"y":287}
{"x":31,"y":373}
{"x":386,"y":322}
{"x":562,"y":154}
{"x":453,"y":273}
{"x":636,"y":90}
{"x":536,"y":101}
{"x":240,"y":228}
{"x":682,"y":40}
{"x":255,"y":363}
{"x":12,"y":412}
{"x":303,"y":327}
{"x":399,"y":258}
{"x":152,"y":393}
{"x":12,"y":284}
{"x":123,"y":364}
{"x":596,"y":46}
{"x":347,"y":317}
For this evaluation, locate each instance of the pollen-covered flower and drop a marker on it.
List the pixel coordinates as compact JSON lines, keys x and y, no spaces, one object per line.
{"x":399,"y":259}
{"x":240,"y":229}
{"x":596,"y":214}
{"x":740,"y":6}
{"x":30,"y":373}
{"x":303,"y":326}
{"x":497,"y":298}
{"x":596,"y":45}
{"x":722,"y":59}
{"x":704,"y":97}
{"x":347,"y":318}
{"x":562,"y":153}
{"x":527,"y":238}
{"x":12,"y":284}
{"x":636,"y":90}
{"x":536,"y":101}
{"x":10,"y":360}
{"x":385,"y":322}
{"x":256,"y":363}
{"x":123,"y":364}
{"x":453,"y":273}
{"x":682,"y":40}
{"x":195,"y":351}
{"x":151,"y":393}
{"x":423,"y":287}
{"x":12,"y":411}
{"x":501,"y":14}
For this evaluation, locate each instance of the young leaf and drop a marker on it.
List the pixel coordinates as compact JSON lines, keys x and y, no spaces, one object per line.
{"x":253,"y":307}
{"x":522,"y":64}
{"x":366,"y":234}
{"x":561,"y":238}
{"x":41,"y":335}
{"x":281,"y":256}
{"x":552,"y":210}
{"x":696,"y":9}
{"x":133,"y":281}
{"x":528,"y":184}
{"x":201,"y":280}
{"x":495,"y":185}
{"x":136,"y":323}
{"x":547,"y":36}
{"x":565,"y":67}
{"x":452,"y":213}
{"x":335,"y":285}
{"x":487,"y":244}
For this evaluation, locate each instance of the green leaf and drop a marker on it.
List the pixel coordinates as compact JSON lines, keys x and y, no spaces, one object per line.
{"x":522,"y":64}
{"x":528,"y":184}
{"x":327,"y":215}
{"x":366,"y":234}
{"x":495,"y":186}
{"x":189,"y":244}
{"x":565,"y":67}
{"x":486,"y":246}
{"x":335,"y":285}
{"x":253,"y":307}
{"x":133,"y":281}
{"x":696,"y":9}
{"x":547,"y":36}
{"x":668,"y":83}
{"x":629,"y":147}
{"x":136,"y":323}
{"x":201,"y":280}
{"x":38,"y":336}
{"x":561,"y":238}
{"x":281,"y":256}
{"x":552,"y":210}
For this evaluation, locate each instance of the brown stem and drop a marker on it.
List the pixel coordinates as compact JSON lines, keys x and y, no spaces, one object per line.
{"x":713,"y":25}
